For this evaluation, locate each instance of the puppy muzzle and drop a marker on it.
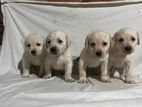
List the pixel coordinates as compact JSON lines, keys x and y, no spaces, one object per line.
{"x":54,"y":50}
{"x":99,"y":53}
{"x":128,"y":49}
{"x":33,"y":52}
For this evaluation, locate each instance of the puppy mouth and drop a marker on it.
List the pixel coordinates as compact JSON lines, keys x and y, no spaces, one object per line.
{"x":128,"y":50}
{"x":54,"y":51}
{"x":99,"y":54}
{"x":33,"y":53}
{"x":36,"y":54}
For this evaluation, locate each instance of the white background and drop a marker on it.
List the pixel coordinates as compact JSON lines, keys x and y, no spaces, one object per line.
{"x":20,"y":19}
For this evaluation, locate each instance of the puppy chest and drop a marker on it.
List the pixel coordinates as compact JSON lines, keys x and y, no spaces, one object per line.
{"x":119,"y":63}
{"x":93,"y":63}
{"x":36,"y":62}
{"x":58,"y":65}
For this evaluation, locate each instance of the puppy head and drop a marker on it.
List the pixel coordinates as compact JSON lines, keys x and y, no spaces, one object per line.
{"x":57,"y":43}
{"x":126,"y":39}
{"x":98,"y":43}
{"x":34,"y":44}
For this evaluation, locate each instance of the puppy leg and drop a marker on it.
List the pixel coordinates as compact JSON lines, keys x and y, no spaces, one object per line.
{"x":48,"y":72}
{"x":82,"y":72}
{"x":68,"y":72}
{"x":26,"y":69}
{"x":42,"y":70}
{"x":104,"y":72}
{"x":128,"y":74}
{"x":111,"y":70}
{"x":122,"y":74}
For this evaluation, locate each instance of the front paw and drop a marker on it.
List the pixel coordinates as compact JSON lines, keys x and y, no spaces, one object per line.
{"x":69,"y":79}
{"x":25,"y":75}
{"x":130,"y":81}
{"x":47,"y":76}
{"x":105,"y":79}
{"x":83,"y":80}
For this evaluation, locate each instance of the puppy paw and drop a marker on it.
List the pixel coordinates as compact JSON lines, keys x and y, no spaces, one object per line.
{"x":47,"y":76}
{"x":129,"y":81}
{"x":83,"y":80}
{"x":105,"y":79}
{"x":122,"y":78}
{"x":69,"y":79}
{"x":25,"y":75}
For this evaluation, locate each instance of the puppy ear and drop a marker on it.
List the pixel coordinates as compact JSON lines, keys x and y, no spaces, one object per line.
{"x":46,"y":46}
{"x":111,"y":42}
{"x":138,"y":38}
{"x":114,"y":38}
{"x":23,"y":43}
{"x":45,"y":43}
{"x":87,"y":41}
{"x":68,"y":42}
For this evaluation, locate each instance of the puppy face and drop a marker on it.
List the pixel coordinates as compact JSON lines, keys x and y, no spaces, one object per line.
{"x":34,"y":44}
{"x":98,"y":43}
{"x":57,"y":43}
{"x":126,"y":40}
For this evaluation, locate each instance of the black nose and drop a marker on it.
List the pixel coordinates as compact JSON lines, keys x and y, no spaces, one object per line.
{"x":128,"y":48}
{"x":99,"y":53}
{"x":53,"y":49}
{"x":33,"y":52}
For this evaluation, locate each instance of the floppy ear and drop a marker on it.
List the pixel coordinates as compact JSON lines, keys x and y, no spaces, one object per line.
{"x":46,"y":40}
{"x":68,"y":42}
{"x":86,"y":41}
{"x":138,"y":38}
{"x":114,"y":38}
{"x":23,"y":43}
{"x":44,"y":45}
{"x":111,"y":42}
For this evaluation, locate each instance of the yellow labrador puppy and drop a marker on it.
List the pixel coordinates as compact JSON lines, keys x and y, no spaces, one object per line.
{"x":33,"y":53}
{"x":58,"y":55}
{"x":125,"y":40}
{"x":94,"y":54}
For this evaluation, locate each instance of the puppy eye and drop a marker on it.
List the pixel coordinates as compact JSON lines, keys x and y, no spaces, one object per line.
{"x":38,"y":44}
{"x":28,"y":45}
{"x":93,"y":44}
{"x":104,"y":43}
{"x":121,"y":40}
{"x":133,"y":39}
{"x":49,"y":42}
{"x":60,"y":41}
